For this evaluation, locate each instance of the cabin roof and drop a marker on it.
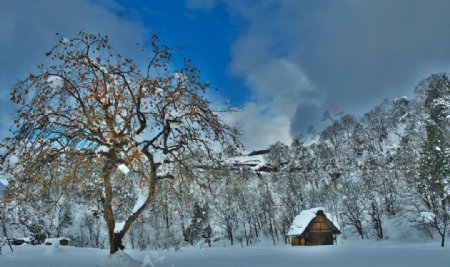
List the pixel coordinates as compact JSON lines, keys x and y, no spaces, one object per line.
{"x":302,"y":221}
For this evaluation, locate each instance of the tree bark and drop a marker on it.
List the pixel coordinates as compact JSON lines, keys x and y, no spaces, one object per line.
{"x":108,"y":214}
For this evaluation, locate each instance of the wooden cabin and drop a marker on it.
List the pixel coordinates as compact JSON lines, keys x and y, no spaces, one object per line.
{"x":312,"y":227}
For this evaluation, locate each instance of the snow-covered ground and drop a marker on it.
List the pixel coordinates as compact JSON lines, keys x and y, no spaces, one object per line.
{"x":357,"y":254}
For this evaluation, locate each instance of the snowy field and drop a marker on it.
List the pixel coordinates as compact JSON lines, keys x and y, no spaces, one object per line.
{"x":357,"y":254}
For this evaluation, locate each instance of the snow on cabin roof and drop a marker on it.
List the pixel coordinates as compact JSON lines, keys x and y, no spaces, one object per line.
{"x":302,"y":220}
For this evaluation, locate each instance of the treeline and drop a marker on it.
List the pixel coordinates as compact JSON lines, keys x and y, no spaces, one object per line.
{"x":392,"y":163}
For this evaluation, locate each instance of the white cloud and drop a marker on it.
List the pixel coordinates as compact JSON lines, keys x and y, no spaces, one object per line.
{"x":260,"y":126}
{"x":277,"y":81}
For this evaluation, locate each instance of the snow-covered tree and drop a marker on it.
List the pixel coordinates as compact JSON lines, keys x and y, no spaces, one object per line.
{"x":433,"y":179}
{"x":108,"y":127}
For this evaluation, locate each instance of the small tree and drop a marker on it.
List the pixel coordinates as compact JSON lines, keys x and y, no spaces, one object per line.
{"x":110,"y":130}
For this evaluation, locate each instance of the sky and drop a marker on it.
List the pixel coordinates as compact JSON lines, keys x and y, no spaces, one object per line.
{"x":281,"y":63}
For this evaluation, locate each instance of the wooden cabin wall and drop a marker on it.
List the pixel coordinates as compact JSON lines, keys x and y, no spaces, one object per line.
{"x":320,"y":223}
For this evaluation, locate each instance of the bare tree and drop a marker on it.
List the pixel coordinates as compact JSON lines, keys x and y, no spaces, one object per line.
{"x":111,"y":130}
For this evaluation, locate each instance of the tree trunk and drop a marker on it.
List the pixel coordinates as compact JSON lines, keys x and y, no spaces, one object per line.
{"x":380,"y":231}
{"x":106,"y":199}
{"x":359,"y":228}
{"x":271,"y":232}
{"x":115,"y":243}
{"x":443,"y":233}
{"x":115,"y":239}
{"x":245,"y":234}
{"x":256,"y":230}
{"x":230,"y":232}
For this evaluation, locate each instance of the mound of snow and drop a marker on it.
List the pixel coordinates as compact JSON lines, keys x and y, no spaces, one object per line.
{"x":54,"y":249}
{"x":147,"y":262}
{"x":121,"y":259}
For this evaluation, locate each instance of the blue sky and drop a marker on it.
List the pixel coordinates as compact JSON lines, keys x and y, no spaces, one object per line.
{"x":281,"y":62}
{"x":206,"y":35}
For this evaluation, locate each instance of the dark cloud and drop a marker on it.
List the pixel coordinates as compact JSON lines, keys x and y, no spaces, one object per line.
{"x":311,"y":121}
{"x":369,"y":50}
{"x":353,"y":53}
{"x":28,"y":27}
